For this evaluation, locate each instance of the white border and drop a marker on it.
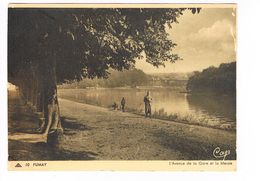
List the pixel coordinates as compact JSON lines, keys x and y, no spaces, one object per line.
{"x":248,"y":91}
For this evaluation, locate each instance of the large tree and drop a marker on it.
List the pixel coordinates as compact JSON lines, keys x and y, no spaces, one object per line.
{"x":50,"y":46}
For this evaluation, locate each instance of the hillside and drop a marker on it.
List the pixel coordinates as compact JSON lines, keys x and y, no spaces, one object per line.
{"x":220,"y":79}
{"x":132,"y":78}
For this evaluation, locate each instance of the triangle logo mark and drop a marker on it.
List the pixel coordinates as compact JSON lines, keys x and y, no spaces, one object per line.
{"x":18,"y":165}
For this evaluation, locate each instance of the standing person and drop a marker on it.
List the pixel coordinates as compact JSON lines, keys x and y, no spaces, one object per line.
{"x":147,"y":104}
{"x":123,"y":104}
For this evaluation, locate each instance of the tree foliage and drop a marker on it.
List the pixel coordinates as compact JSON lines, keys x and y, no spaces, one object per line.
{"x":220,"y":80}
{"x":50,"y":46}
{"x":87,"y":42}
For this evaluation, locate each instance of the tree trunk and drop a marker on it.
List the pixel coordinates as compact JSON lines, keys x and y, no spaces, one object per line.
{"x":39,"y":101}
{"x":50,"y":99}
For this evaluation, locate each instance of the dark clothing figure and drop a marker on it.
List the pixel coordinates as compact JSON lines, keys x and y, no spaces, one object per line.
{"x":115,"y":106}
{"x":123,"y":104}
{"x":147,"y":105}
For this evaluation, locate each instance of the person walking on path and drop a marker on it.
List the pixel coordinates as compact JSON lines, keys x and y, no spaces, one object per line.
{"x":123,"y":104}
{"x":147,"y":104}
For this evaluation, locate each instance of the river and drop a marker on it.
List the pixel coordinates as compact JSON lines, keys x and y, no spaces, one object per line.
{"x":205,"y":109}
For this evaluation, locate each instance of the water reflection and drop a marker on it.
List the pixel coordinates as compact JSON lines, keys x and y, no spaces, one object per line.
{"x":221,"y":106}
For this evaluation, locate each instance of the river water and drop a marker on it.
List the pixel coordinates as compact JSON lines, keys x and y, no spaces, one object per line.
{"x":212,"y":110}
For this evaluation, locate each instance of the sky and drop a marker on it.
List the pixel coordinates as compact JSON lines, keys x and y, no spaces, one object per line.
{"x":203,"y":40}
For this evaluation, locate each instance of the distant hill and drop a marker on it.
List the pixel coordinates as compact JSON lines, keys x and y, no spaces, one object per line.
{"x":172,"y":76}
{"x":132,"y":78}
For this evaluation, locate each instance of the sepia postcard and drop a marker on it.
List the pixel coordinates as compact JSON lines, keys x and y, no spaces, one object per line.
{"x":125,"y":87}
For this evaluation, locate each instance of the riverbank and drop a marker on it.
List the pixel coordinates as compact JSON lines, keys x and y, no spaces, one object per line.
{"x":92,"y":132}
{"x":214,"y":111}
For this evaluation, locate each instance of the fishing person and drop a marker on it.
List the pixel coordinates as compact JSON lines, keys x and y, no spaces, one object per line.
{"x":147,"y":105}
{"x":115,"y":106}
{"x":123,"y":104}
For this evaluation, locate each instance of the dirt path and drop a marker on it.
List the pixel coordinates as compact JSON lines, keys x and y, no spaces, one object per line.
{"x":117,"y":135}
{"x":92,"y":132}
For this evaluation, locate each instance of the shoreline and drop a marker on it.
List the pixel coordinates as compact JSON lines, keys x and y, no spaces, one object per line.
{"x":124,"y":88}
{"x":178,"y":119}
